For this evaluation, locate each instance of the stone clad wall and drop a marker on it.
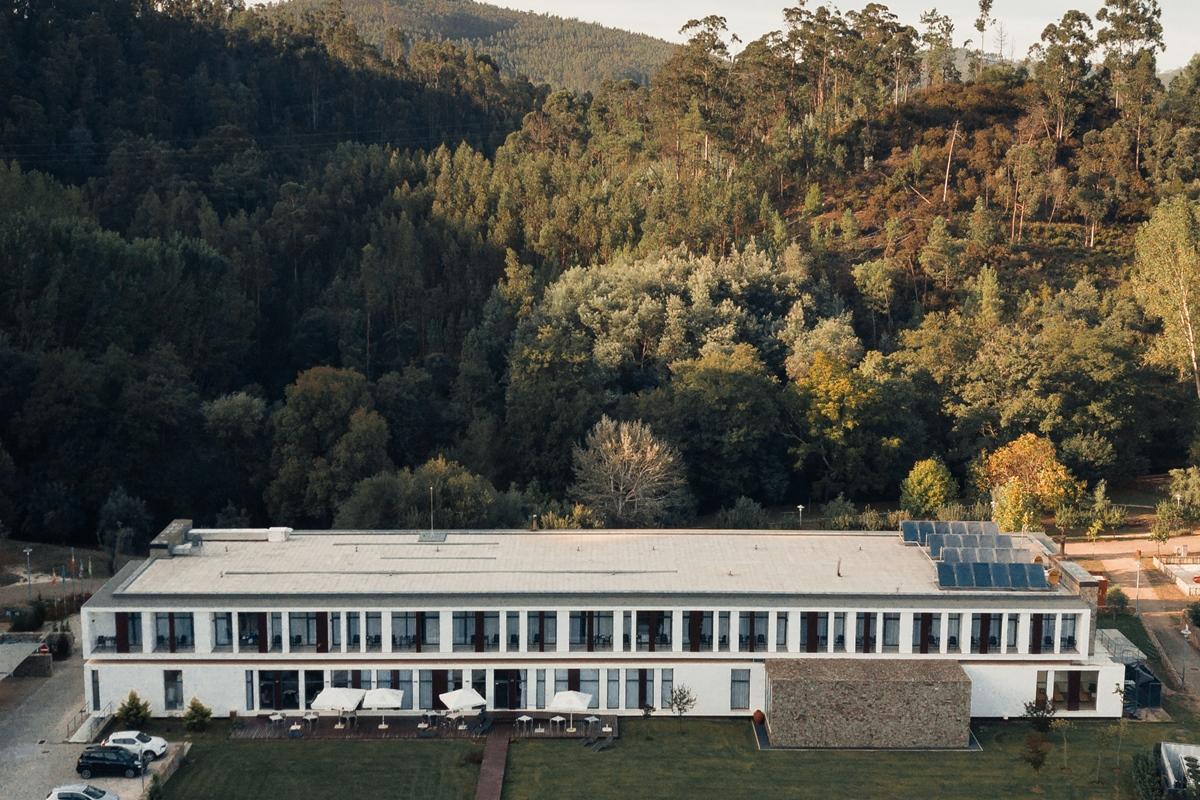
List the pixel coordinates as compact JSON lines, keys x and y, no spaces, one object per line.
{"x":854,"y":703}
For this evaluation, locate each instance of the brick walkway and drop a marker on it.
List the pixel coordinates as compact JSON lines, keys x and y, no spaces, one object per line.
{"x":495,"y":757}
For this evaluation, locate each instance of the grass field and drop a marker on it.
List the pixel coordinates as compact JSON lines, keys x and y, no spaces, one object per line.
{"x":221,"y":769}
{"x":716,"y":759}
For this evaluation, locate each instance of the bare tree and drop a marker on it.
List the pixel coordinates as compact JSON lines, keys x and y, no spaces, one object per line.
{"x":628,"y":476}
{"x":683,"y":700}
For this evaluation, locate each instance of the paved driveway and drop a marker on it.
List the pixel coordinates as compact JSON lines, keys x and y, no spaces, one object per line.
{"x":34,"y":710}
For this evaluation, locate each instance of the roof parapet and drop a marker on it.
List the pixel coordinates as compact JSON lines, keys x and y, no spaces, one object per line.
{"x":173,"y":536}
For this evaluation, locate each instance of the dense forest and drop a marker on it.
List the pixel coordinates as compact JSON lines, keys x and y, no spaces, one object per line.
{"x":254,"y":269}
{"x":562,"y":52}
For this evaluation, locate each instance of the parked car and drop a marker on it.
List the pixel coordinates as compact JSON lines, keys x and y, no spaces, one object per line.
{"x":80,"y":791}
{"x":142,"y":745}
{"x":104,"y":760}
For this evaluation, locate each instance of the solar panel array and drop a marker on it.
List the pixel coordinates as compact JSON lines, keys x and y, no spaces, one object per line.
{"x":975,"y":555}
{"x":919,"y":531}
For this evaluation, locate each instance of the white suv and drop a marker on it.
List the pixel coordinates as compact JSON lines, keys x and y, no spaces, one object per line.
{"x":143,"y":745}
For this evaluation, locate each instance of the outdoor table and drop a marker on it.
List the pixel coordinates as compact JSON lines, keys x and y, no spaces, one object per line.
{"x":606,"y":729}
{"x":311,"y":718}
{"x":557,"y":721}
{"x":276,"y":718}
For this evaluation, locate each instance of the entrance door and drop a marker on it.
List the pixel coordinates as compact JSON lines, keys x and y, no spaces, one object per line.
{"x":506,"y":692}
{"x":1073,"y":690}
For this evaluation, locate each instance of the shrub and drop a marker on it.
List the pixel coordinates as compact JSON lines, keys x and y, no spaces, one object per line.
{"x":1147,"y":783}
{"x":155,"y":791}
{"x":1193,"y":612}
{"x":745,"y":513}
{"x":872,"y":519}
{"x":197,"y":715}
{"x":1039,"y":715}
{"x":29,"y":618}
{"x":60,"y":645}
{"x":134,"y":712}
{"x":839,"y":514}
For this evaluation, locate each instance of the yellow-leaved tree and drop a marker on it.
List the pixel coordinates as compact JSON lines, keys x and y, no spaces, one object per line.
{"x":1025,"y":480}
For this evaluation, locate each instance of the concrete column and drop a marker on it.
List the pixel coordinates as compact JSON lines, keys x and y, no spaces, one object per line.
{"x":831,"y":615}
{"x":445,"y":632}
{"x":716,"y":639}
{"x":735,"y":632}
{"x":878,"y":631}
{"x":343,"y":624}
{"x":285,"y":630}
{"x":906,"y":631}
{"x":385,"y":625}
{"x":148,"y":633}
{"x":1058,"y":618}
{"x":676,"y":630}
{"x":235,"y":629}
{"x":563,"y":643}
{"x":1023,"y":633}
{"x":202,"y":631}
{"x":793,"y":630}
{"x":772,"y":628}
{"x":944,"y":639}
{"x":523,"y":637}
{"x":618,"y":630}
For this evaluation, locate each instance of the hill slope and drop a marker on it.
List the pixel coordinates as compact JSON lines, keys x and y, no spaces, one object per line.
{"x":562,"y":52}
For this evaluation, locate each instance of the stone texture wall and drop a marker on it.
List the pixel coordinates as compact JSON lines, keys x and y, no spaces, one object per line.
{"x":843,"y":703}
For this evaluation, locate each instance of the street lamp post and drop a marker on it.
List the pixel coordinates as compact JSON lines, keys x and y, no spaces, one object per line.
{"x":799,"y":516}
{"x":28,"y":576}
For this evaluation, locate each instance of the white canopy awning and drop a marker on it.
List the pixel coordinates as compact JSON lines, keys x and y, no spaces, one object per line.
{"x":462,"y":699}
{"x":570,"y":701}
{"x":338,"y":699}
{"x":382,"y":699}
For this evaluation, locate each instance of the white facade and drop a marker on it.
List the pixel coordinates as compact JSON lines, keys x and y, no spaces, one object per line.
{"x":361,"y":612}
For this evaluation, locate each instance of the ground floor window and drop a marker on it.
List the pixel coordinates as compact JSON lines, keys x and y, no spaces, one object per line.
{"x":614,"y":689}
{"x":739,"y":689}
{"x":639,"y":688}
{"x":667,"y":684}
{"x":279,"y":690}
{"x":249,"y":690}
{"x":403,"y":680}
{"x":781,"y":630}
{"x":95,"y":690}
{"x":314,"y":684}
{"x":172,"y":689}
{"x":589,"y":683}
{"x":541,"y":688}
{"x":426,"y":688}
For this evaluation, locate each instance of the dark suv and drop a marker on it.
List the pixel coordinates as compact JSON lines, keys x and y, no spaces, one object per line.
{"x":104,"y":760}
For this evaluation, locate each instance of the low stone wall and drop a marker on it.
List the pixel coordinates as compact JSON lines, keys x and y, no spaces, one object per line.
{"x":850,"y":703}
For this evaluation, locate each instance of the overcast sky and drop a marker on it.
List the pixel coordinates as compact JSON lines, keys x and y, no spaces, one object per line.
{"x":1023,"y":20}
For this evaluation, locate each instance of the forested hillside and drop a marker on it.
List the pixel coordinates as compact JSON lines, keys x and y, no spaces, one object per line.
{"x":252,"y":270}
{"x":566,"y":53}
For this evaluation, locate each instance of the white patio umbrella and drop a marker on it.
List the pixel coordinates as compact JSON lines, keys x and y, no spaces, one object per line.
{"x":338,"y":699}
{"x":462,"y":699}
{"x":382,"y":700}
{"x":570,"y":702}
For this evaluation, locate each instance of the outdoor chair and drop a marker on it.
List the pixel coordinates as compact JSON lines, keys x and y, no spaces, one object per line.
{"x":590,"y":740}
{"x":603,"y":744}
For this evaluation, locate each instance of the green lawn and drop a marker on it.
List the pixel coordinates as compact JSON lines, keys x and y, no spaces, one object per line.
{"x":221,"y":769}
{"x":714,"y":759}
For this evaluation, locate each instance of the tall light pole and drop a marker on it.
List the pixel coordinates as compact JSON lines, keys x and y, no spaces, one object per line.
{"x":799,"y":516}
{"x":28,"y":576}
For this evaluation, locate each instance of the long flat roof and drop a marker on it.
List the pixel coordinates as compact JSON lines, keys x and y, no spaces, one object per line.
{"x":521,"y":562}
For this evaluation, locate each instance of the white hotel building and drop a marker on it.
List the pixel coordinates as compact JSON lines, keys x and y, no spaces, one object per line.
{"x":252,"y":621}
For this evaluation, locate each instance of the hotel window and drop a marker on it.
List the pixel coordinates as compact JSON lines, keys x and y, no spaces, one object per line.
{"x":562,"y":680}
{"x":1075,"y":690}
{"x":839,"y":632}
{"x":891,"y":633}
{"x":222,"y":631}
{"x":614,"y":689}
{"x":667,"y":686}
{"x":425,"y":686}
{"x":279,"y":689}
{"x":781,"y":630}
{"x":512,"y":630}
{"x":404,"y":631}
{"x":172,"y":689}
{"x":335,"y":630}
{"x":814,"y":631}
{"x":374,"y":632}
{"x":979,"y":633}
{"x":1041,"y":633}
{"x":639,"y":688}
{"x":926,"y":632}
{"x":339,"y":679}
{"x":723,"y":632}
{"x":403,"y":678}
{"x":429,"y":628}
{"x":864,"y":632}
{"x":591,"y":630}
{"x":314,"y":684}
{"x":697,"y":631}
{"x":540,"y":688}
{"x":276,"y":623}
{"x":95,"y":690}
{"x":653,"y":630}
{"x":953,"y":629}
{"x":360,"y":679}
{"x":353,"y":630}
{"x":752,"y":631}
{"x":135,"y":630}
{"x":739,"y":689}
{"x":1010,"y":632}
{"x":173,"y":633}
{"x":249,"y":690}
{"x":589,"y":683}
{"x":542,"y":631}
{"x":476,"y":631}
{"x":1066,"y":636}
{"x":302,"y":627}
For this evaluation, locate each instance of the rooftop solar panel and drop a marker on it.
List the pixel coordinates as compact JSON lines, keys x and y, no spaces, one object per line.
{"x":964,"y":576}
{"x":908,"y":530}
{"x":1001,"y":576}
{"x":983,"y":575}
{"x":945,"y":573}
{"x":924,"y":528}
{"x":941,"y":527}
{"x":989,"y":527}
{"x":950,"y":555}
{"x":1037,"y":576}
{"x":974,"y":527}
{"x":1018,"y":578}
